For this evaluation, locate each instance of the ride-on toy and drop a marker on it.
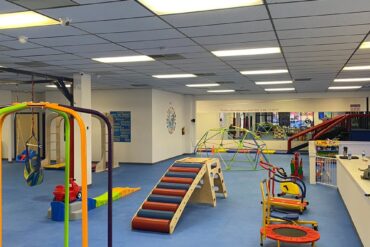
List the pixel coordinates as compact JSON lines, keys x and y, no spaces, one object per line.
{"x":74,"y":191}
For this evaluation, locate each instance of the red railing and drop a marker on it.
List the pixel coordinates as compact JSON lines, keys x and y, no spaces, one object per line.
{"x":315,"y":129}
{"x":325,"y":127}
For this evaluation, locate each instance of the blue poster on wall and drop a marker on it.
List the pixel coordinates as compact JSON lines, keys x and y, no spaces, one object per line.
{"x":121,"y":126}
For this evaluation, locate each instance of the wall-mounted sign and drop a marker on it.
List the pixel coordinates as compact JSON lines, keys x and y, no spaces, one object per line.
{"x":171,"y":119}
{"x":355,"y":107}
{"x":121,"y":126}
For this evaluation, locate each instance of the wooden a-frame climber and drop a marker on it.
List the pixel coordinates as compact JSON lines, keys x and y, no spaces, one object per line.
{"x":189,"y":180}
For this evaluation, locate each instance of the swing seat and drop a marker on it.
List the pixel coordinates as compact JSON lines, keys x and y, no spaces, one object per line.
{"x":33,"y":173}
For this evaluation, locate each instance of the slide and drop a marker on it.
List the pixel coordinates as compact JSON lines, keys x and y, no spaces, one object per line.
{"x":189,"y":180}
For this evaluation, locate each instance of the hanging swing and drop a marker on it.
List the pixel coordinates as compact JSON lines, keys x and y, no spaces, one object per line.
{"x":33,"y":172}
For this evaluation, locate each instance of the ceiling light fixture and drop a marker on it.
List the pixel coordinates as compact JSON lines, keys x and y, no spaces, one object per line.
{"x":25,"y":19}
{"x":54,"y":86}
{"x":221,"y":91}
{"x":365,"y":45}
{"x":124,"y":59}
{"x":247,"y":52}
{"x":203,"y":85}
{"x":345,"y":88}
{"x":264,"y":72}
{"x":279,"y":89}
{"x":167,"y":7}
{"x":352,"y":80}
{"x":273,"y":82}
{"x":365,"y":67}
{"x":174,"y":76}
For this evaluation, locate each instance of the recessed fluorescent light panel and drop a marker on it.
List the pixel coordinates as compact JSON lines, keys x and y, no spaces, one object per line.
{"x":221,"y":91}
{"x":352,"y":80}
{"x":167,"y":7}
{"x":25,"y":19}
{"x":264,"y":72}
{"x":124,"y":59}
{"x":247,"y":52}
{"x":345,"y":88}
{"x":273,"y":82}
{"x":279,"y":89}
{"x":174,"y":76}
{"x":54,"y":86}
{"x":203,"y":85}
{"x":365,"y":67}
{"x":365,"y":45}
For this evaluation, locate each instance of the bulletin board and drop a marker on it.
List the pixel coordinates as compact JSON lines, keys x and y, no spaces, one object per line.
{"x":121,"y":126}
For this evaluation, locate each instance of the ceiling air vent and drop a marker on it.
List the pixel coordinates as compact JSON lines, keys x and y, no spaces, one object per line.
{"x":33,"y":64}
{"x":167,"y":57}
{"x":42,"y":4}
{"x":225,"y":82}
{"x":302,"y":79}
{"x":205,"y":74}
{"x":140,"y":85}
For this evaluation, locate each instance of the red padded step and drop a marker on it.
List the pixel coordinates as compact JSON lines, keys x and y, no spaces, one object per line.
{"x":150,"y":224}
{"x":177,"y":180}
{"x":184,"y":169}
{"x":169,"y":192}
{"x":160,"y":206}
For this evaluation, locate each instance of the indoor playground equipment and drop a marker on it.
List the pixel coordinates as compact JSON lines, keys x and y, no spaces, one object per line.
{"x":271,"y":215}
{"x":59,"y":162}
{"x":189,"y":180}
{"x":56,"y":209}
{"x":288,"y":233}
{"x":55,"y":137}
{"x":296,"y":166}
{"x":219,"y":143}
{"x":286,"y":203}
{"x":264,"y":128}
{"x":286,"y":188}
{"x":61,"y":110}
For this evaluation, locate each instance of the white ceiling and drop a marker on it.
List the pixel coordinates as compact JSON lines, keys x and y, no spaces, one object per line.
{"x":317,"y":37}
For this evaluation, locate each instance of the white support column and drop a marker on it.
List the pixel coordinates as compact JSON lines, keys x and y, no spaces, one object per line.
{"x":82,"y":98}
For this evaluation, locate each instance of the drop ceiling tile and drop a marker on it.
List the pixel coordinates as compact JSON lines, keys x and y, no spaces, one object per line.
{"x":43,"y":32}
{"x":116,"y":53}
{"x":237,"y":38}
{"x":96,"y":12}
{"x":57,"y":57}
{"x":70,"y":40}
{"x":6,"y":7}
{"x":143,"y":35}
{"x":318,"y":53}
{"x":171,"y":50}
{"x":218,"y":16}
{"x":91,"y":48}
{"x":125,"y":25}
{"x":306,"y":8}
{"x":322,"y":21}
{"x":169,"y":43}
{"x":237,"y":28}
{"x":14,"y":44}
{"x":322,"y":40}
{"x":304,"y":48}
{"x":324,"y":32}
{"x":31,"y":52}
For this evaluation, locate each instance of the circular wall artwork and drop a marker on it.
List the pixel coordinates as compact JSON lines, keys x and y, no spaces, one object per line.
{"x":171,"y":119}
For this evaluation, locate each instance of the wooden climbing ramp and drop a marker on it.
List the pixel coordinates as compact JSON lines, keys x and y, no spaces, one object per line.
{"x":189,"y":180}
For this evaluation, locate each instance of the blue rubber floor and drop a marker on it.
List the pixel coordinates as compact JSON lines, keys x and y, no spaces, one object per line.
{"x":234,"y":222}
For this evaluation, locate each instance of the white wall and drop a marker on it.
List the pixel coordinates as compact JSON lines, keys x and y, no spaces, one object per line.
{"x":166,"y":145}
{"x":139,"y":102}
{"x":8,"y":130}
